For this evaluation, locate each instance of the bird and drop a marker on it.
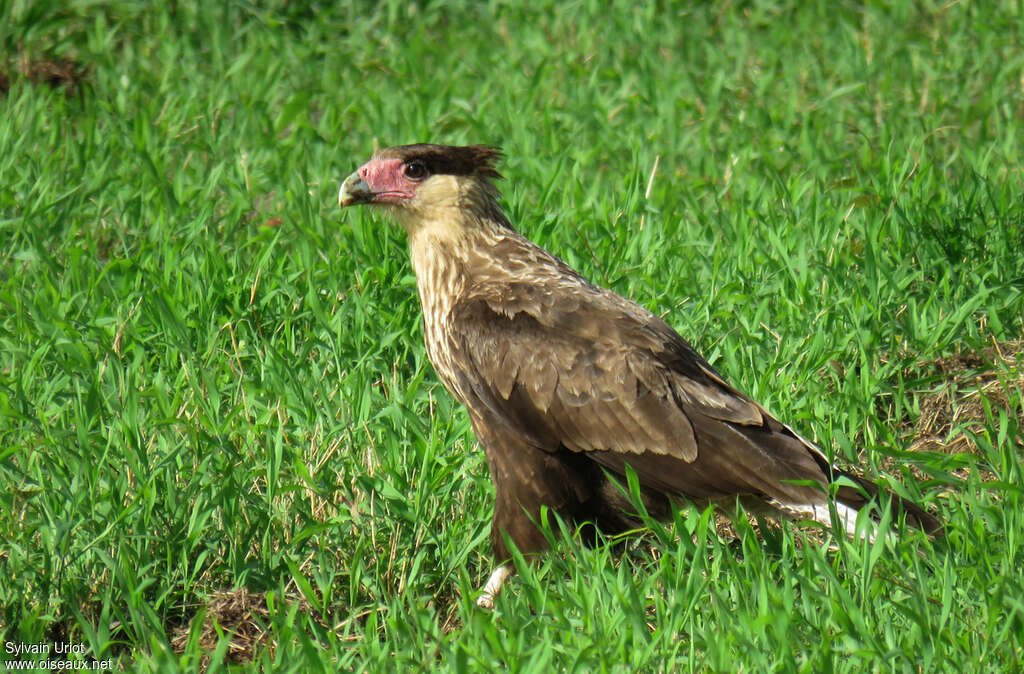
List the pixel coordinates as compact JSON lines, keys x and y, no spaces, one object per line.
{"x":569,"y":386}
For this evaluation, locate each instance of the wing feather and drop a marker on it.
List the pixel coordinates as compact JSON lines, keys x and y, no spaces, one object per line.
{"x":590,"y":381}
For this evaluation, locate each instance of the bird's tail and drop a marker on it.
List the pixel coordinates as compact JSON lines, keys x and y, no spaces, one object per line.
{"x":865,"y":492}
{"x":850,"y":499}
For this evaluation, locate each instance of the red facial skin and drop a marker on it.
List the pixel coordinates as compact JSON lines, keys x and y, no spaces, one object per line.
{"x":387,"y":180}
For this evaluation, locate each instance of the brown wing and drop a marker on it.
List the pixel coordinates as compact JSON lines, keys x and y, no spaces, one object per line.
{"x":594,"y":373}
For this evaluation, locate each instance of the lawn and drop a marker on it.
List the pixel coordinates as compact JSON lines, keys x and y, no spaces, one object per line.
{"x":222,"y":444}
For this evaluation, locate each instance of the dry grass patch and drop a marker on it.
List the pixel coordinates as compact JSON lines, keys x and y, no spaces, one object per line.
{"x":954,"y":408}
{"x":242,"y":616}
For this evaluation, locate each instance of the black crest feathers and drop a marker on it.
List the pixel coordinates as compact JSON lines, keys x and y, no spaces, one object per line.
{"x":466,"y":160}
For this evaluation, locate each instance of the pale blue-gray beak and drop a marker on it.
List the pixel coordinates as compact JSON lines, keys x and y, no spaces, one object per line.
{"x":354,"y":191}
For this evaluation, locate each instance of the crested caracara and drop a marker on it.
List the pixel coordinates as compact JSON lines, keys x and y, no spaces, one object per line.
{"x":567,"y":383}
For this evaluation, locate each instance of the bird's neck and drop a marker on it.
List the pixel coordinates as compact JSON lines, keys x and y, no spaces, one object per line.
{"x":437,"y":252}
{"x":443,"y":255}
{"x":444,"y":241}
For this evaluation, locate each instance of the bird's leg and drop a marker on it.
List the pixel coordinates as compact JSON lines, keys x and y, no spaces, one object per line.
{"x":493,"y":586}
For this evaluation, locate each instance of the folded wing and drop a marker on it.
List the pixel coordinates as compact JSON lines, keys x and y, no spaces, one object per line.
{"x":599,"y":375}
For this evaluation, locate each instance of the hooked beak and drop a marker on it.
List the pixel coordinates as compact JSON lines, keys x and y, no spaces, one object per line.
{"x":354,"y":191}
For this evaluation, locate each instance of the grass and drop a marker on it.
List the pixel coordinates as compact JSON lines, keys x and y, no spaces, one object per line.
{"x":211,"y":380}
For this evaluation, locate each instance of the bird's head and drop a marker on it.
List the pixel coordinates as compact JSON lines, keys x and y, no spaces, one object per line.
{"x":417,"y":182}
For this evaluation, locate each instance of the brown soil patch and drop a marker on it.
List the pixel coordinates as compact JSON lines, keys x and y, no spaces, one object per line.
{"x":58,"y":73}
{"x":54,"y":73}
{"x":240,"y":615}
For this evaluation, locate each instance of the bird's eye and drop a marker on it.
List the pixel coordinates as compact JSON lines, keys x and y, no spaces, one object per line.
{"x":415,"y":170}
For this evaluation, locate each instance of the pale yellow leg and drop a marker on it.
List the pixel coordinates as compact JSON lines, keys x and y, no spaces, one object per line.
{"x":493,"y":586}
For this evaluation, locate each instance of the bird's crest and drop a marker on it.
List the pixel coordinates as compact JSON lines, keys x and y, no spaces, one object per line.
{"x":465,"y":160}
